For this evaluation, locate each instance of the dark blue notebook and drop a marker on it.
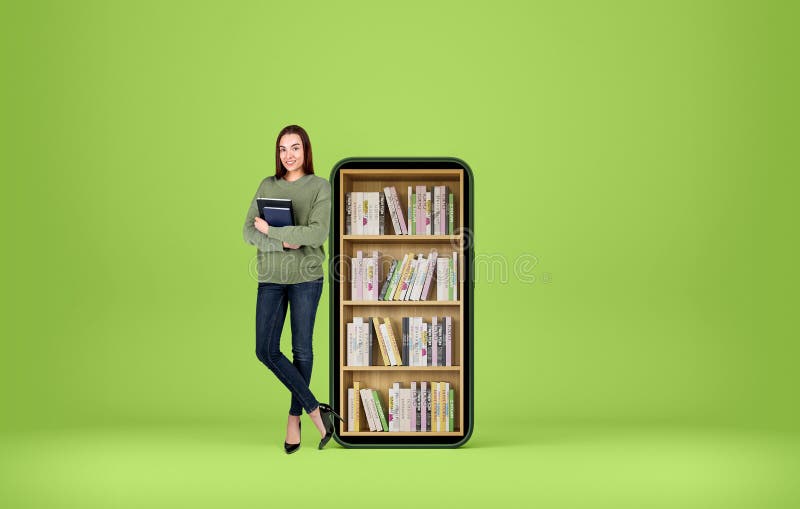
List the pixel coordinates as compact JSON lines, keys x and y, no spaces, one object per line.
{"x":276,"y":211}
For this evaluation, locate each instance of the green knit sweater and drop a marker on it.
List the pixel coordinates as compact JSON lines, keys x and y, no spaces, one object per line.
{"x":311,"y":201}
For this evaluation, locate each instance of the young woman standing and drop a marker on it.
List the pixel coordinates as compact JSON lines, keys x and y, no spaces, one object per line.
{"x":290,"y":275}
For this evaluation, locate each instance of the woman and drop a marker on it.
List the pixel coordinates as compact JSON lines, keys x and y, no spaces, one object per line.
{"x":290,"y":274}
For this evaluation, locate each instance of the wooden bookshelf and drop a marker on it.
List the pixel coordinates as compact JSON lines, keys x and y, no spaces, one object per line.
{"x":391,"y":246}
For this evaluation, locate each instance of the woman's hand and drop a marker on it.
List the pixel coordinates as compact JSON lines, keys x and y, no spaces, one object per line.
{"x":261,"y":225}
{"x":291,"y":246}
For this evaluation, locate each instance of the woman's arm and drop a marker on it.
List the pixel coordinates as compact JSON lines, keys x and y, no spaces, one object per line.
{"x":255,"y":237}
{"x":319,"y":219}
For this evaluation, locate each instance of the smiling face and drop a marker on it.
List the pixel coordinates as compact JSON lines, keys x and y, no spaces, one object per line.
{"x":291,"y":153}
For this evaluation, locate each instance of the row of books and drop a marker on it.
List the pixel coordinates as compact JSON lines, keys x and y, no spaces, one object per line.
{"x":407,"y":279}
{"x":422,"y":343}
{"x":424,"y":406}
{"x":428,"y":212}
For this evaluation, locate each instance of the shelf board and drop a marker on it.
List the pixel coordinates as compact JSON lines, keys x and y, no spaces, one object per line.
{"x":403,"y":238}
{"x":401,"y":433}
{"x":401,"y":368}
{"x":401,"y":302}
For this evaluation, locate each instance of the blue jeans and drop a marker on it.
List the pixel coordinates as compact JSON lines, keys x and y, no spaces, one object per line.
{"x":273,"y":300}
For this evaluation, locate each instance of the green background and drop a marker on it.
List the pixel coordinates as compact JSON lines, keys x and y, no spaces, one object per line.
{"x":635,"y":227}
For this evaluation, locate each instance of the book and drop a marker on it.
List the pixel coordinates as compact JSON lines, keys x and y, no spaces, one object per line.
{"x":398,"y":209}
{"x":391,"y":205}
{"x":429,"y":275}
{"x":276,"y":211}
{"x":451,"y":410}
{"x":454,"y":277}
{"x":392,"y":341}
{"x":381,"y":343}
{"x":371,"y":213}
{"x":385,"y":286}
{"x":368,"y":403}
{"x":425,"y":407}
{"x":428,"y":214}
{"x":419,"y":278}
{"x":348,"y":205}
{"x":350,"y":410}
{"x":410,"y":209}
{"x":379,"y":410}
{"x":405,"y":274}
{"x":413,"y":413}
{"x":390,"y":352}
{"x":357,"y":406}
{"x":450,"y":230}
{"x":356,"y":276}
{"x":395,"y":281}
{"x":442,"y":278}
{"x":448,"y":341}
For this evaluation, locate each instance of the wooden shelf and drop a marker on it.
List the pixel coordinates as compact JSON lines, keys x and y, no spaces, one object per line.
{"x":401,"y":368}
{"x":401,"y":302}
{"x":416,"y":239}
{"x":401,"y":433}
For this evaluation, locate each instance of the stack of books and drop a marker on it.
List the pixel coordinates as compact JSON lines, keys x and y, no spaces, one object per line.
{"x":420,"y":343}
{"x":409,"y":279}
{"x":423,"y":406}
{"x":430,"y":212}
{"x":365,"y":276}
{"x":370,"y":401}
{"x":427,"y":212}
{"x":364,"y":213}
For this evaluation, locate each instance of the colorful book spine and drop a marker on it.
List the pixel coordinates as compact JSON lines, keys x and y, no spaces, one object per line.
{"x":413,"y":425}
{"x":428,"y":210}
{"x":379,"y":409}
{"x":392,"y":341}
{"x":386,"y":283}
{"x":413,"y":212}
{"x":357,"y":406}
{"x":420,"y":210}
{"x":399,"y":210}
{"x":435,"y":353}
{"x":405,"y":285}
{"x":379,"y":337}
{"x":356,"y":276}
{"x":450,"y":229}
{"x":448,"y":341}
{"x":412,"y":203}
{"x":419,"y":279}
{"x":391,"y":205}
{"x":443,"y":194}
{"x":368,"y":405}
{"x":367,"y":278}
{"x":350,"y":410}
{"x":387,"y":341}
{"x":348,"y":215}
{"x":402,"y":282}
{"x":381,"y":214}
{"x":451,"y":413}
{"x":454,"y":275}
{"x":425,"y":407}
{"x":442,"y":278}
{"x":394,"y":414}
{"x":429,"y":275}
{"x":392,"y":288}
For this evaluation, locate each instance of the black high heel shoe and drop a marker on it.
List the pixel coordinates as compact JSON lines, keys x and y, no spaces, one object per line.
{"x":327,"y":414}
{"x":290,"y":448}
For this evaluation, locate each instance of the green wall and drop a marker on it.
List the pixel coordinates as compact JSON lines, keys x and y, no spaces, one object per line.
{"x":633,"y":157}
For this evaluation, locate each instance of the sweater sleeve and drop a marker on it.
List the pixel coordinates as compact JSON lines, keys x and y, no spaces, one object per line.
{"x":319,"y":218}
{"x":255,"y":237}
